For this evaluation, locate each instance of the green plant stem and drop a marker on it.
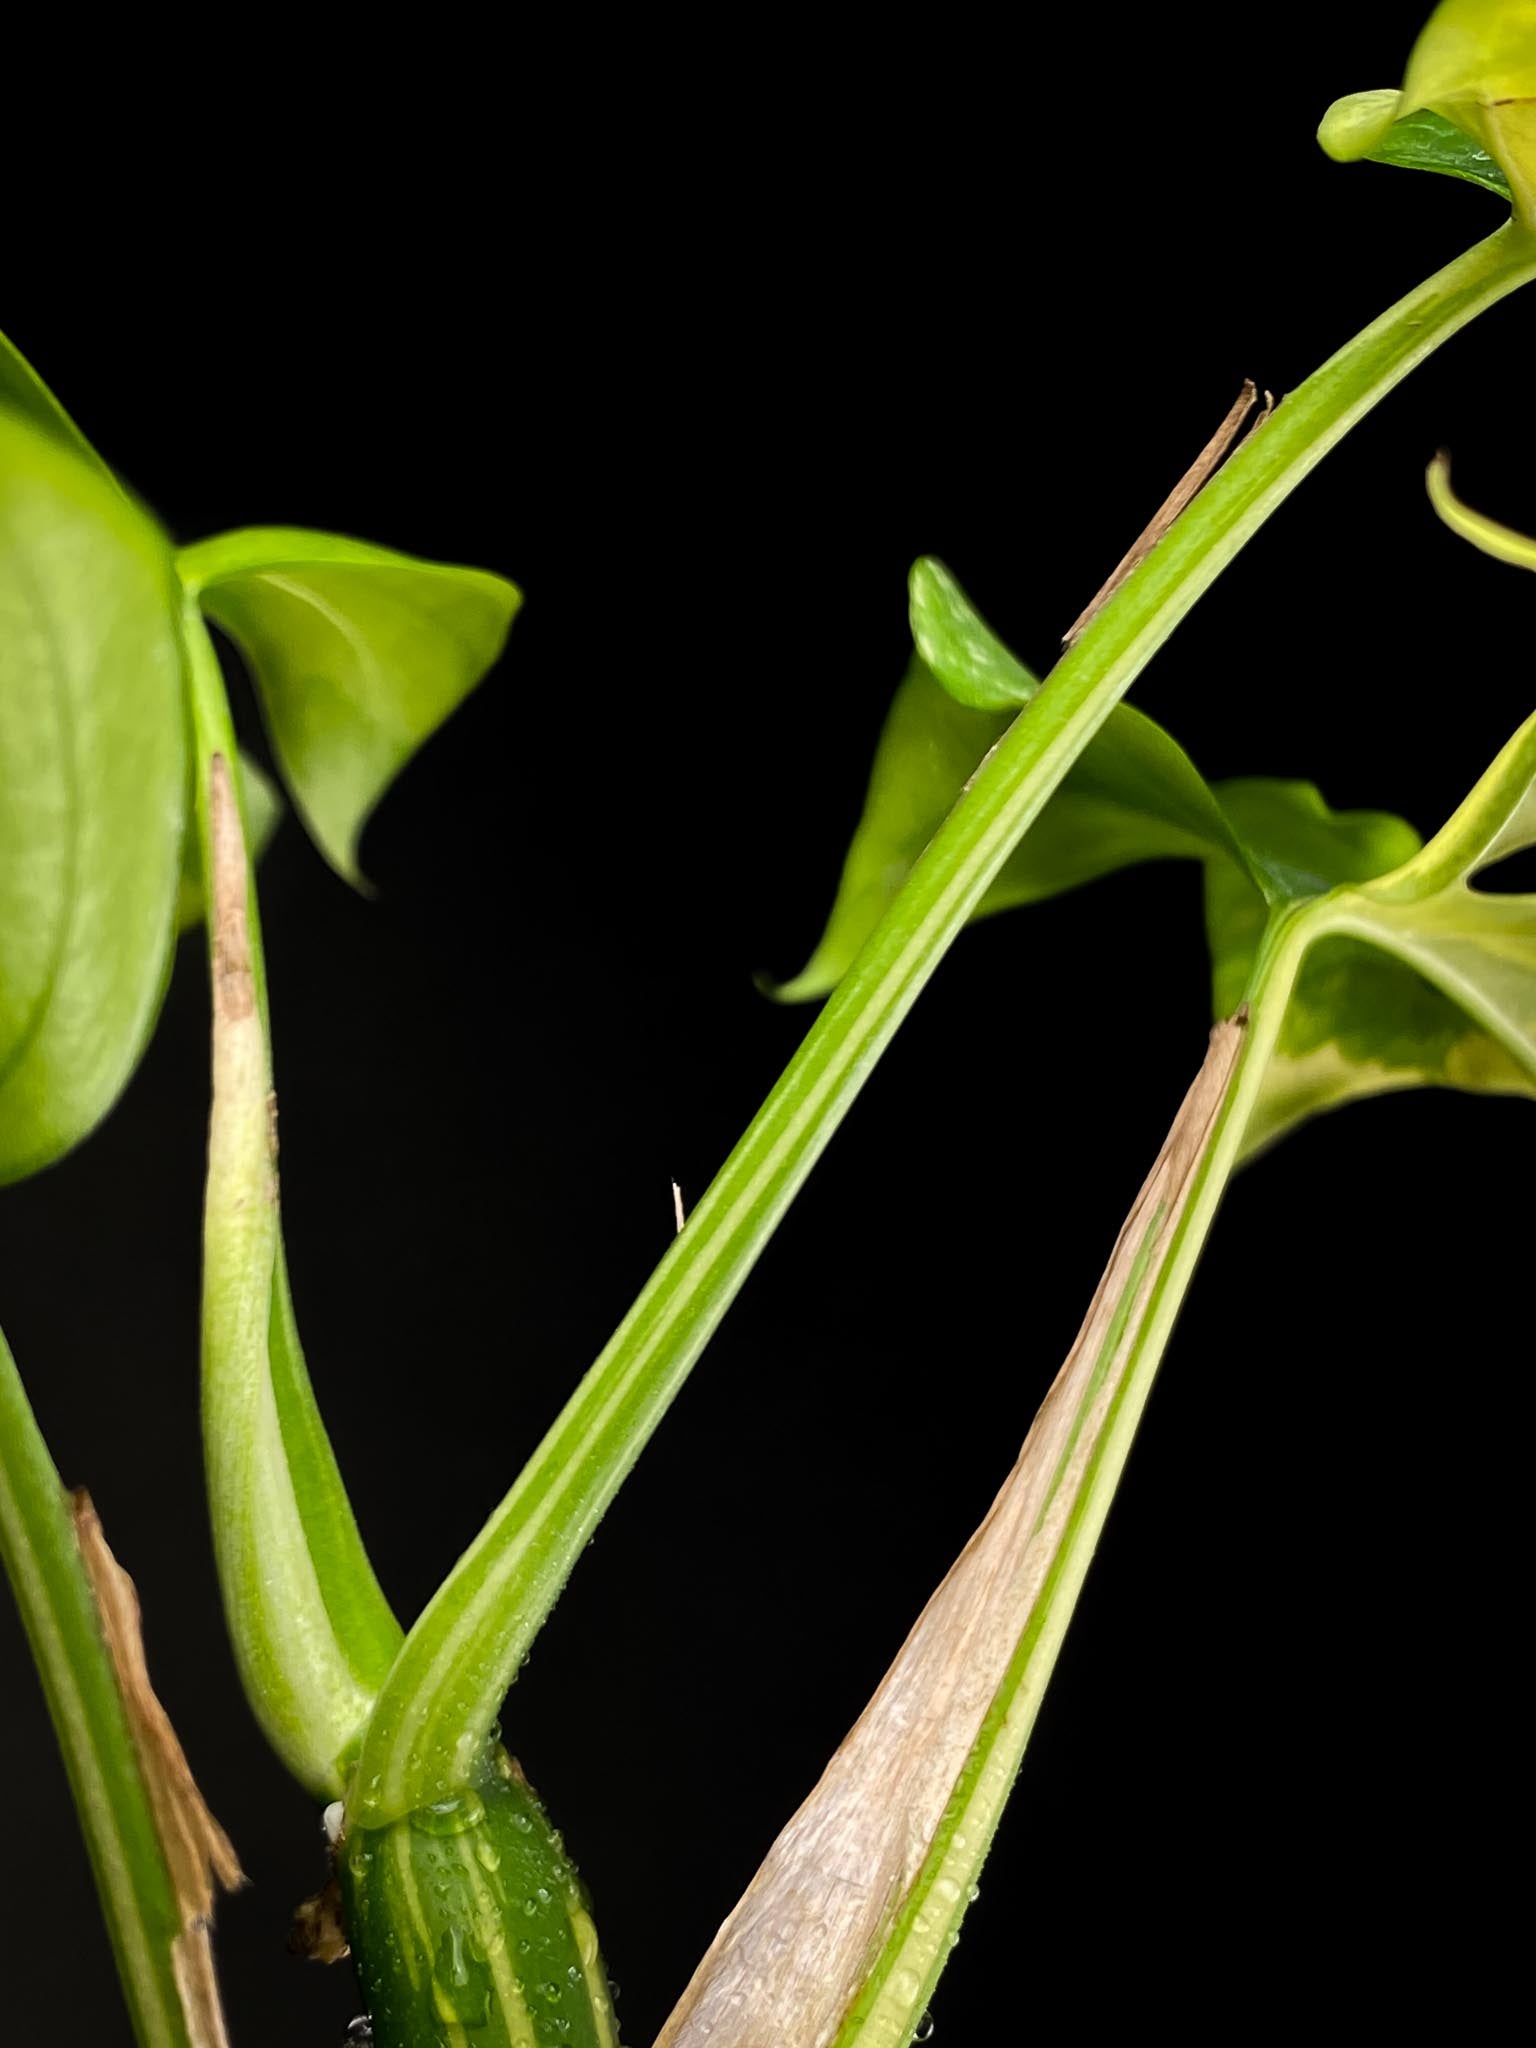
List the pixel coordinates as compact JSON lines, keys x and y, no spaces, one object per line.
{"x":446,"y":1687}
{"x":312,"y":1632}
{"x":58,"y":1610}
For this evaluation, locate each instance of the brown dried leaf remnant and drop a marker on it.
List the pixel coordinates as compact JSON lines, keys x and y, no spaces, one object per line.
{"x":1188,"y":487}
{"x":786,"y":1967}
{"x":198,"y":1853}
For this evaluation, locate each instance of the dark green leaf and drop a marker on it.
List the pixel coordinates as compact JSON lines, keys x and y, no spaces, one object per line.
{"x":359,"y":654}
{"x":93,"y":791}
{"x":1428,"y":142}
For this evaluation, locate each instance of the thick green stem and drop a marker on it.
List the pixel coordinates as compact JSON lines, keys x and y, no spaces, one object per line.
{"x":446,"y":1687}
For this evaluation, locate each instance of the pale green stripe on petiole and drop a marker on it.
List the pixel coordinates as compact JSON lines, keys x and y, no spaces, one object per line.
{"x":447,"y":1685}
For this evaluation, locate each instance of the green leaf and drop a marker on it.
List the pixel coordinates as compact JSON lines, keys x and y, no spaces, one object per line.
{"x":1358,"y":1022}
{"x":1477,"y":948}
{"x":960,"y":649}
{"x":58,"y":1610}
{"x":263,"y":808}
{"x":359,"y":654}
{"x":1502,"y":542}
{"x":1410,"y":975}
{"x":93,"y":791}
{"x":1133,"y":795}
{"x":1366,"y":124}
{"x":929,"y":747}
{"x":23,"y":393}
{"x":1427,"y":142}
{"x":1473,"y":74}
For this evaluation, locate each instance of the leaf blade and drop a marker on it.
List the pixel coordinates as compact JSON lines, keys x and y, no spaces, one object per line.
{"x":93,"y":792}
{"x":358,"y":653}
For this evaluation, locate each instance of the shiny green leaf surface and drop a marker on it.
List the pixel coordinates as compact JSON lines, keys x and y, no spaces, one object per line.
{"x":93,"y":791}
{"x":358,"y":654}
{"x":1428,"y":142}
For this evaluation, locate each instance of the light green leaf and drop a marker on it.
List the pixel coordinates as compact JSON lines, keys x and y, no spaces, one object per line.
{"x":58,"y":1609}
{"x":928,"y":748}
{"x":1133,"y":795}
{"x":93,"y":791}
{"x":1502,"y":542}
{"x":1358,"y":1022}
{"x":23,"y":393}
{"x":1478,"y":948}
{"x":1474,"y":70}
{"x":263,"y":808}
{"x":960,"y":649}
{"x":358,"y":653}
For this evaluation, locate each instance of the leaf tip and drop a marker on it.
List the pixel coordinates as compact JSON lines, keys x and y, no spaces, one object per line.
{"x":1356,"y":124}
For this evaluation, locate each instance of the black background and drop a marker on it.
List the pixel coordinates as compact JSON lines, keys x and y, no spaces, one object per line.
{"x":704,"y":371}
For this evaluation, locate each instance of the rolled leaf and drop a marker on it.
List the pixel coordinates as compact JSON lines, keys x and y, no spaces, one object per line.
{"x":842,"y":1934}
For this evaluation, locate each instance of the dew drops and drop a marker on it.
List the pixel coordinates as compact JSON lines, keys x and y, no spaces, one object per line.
{"x":927,"y":2027}
{"x":450,"y":1816}
{"x":360,"y":2033}
{"x":586,"y":1937}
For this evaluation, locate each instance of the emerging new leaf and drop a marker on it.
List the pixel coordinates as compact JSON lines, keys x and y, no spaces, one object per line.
{"x":1467,"y":106}
{"x":358,"y":653}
